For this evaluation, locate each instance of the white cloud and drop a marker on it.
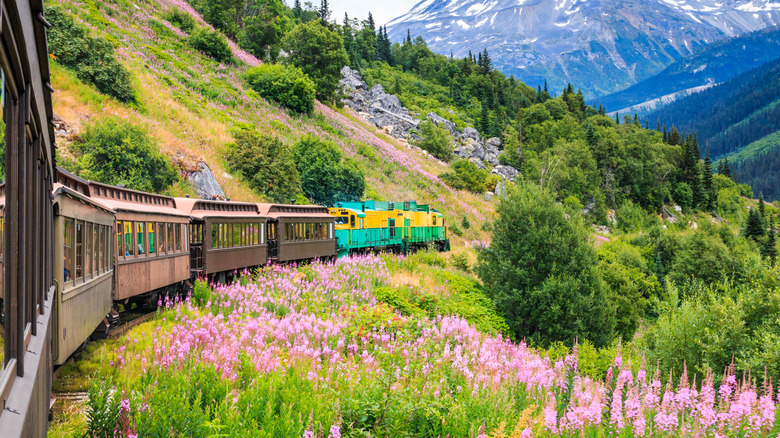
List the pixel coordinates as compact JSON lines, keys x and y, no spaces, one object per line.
{"x":382,"y":10}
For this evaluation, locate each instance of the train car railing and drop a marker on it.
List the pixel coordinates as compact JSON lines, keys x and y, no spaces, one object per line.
{"x":28,"y":285}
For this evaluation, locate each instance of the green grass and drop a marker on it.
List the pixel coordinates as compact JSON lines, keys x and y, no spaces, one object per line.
{"x":767,"y":144}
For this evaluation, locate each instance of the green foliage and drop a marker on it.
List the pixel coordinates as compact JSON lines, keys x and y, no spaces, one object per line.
{"x":265,"y":163}
{"x":263,"y":31}
{"x":437,"y":141}
{"x":325,"y":176}
{"x":631,"y":217}
{"x":513,"y":149}
{"x":287,"y":86}
{"x":92,"y":58}
{"x":102,"y":409}
{"x":201,"y":292}
{"x":211,"y":43}
{"x":113,"y":151}
{"x":540,"y":271}
{"x":180,"y":19}
{"x":754,"y":226}
{"x":703,"y":257}
{"x":465,"y":175}
{"x":460,"y":262}
{"x":318,"y":52}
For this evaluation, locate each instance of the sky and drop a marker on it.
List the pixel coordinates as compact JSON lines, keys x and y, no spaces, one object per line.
{"x":383,"y":10}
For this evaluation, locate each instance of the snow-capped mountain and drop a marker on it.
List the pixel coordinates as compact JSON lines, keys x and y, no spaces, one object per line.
{"x":598,"y":45}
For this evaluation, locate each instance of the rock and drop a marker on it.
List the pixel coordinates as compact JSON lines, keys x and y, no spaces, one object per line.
{"x":494,"y":142}
{"x":205,"y":183}
{"x":611,"y":217}
{"x":491,"y":158}
{"x":477,"y":162}
{"x":478,"y":152}
{"x":508,"y":173}
{"x":470,"y":133}
{"x":501,"y":189}
{"x":464,"y":150}
{"x":352,"y":81}
{"x":441,"y":122}
{"x":677,"y":208}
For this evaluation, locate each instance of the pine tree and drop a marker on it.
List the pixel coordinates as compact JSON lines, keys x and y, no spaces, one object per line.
{"x":666,"y":136}
{"x":658,"y":126}
{"x":726,"y":170}
{"x":761,"y":206}
{"x":720,"y":167}
{"x":487,"y":65}
{"x":590,"y":135}
{"x":636,"y":119}
{"x":297,"y":9}
{"x":674,"y":137}
{"x":324,"y":13}
{"x":409,"y":39}
{"x":371,"y":24}
{"x":617,"y":118}
{"x":484,"y":120}
{"x":754,"y":227}
{"x":706,"y":177}
{"x":770,"y":246}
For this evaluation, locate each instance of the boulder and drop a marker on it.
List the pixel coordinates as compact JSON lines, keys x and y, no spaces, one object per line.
{"x":206,"y":183}
{"x":508,"y":173}
{"x":352,"y":81}
{"x":491,"y":158}
{"x":477,"y":162}
{"x":470,"y":133}
{"x":478,"y":152}
{"x":494,"y":142}
{"x":441,"y":122}
{"x":464,"y":150}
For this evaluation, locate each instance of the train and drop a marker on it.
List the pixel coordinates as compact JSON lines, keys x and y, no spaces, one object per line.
{"x":116,"y":246}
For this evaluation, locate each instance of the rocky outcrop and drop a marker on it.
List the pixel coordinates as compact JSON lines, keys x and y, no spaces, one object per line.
{"x":386,"y":112}
{"x":206,"y":183}
{"x":382,"y":109}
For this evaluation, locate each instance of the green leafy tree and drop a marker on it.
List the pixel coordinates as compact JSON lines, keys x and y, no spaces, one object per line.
{"x":265,"y":163}
{"x":286,"y":85}
{"x":115,"y":152}
{"x":465,"y":175}
{"x":513,"y":149}
{"x":180,"y":19}
{"x":318,"y":52}
{"x":540,"y":271}
{"x":92,"y":58}
{"x":265,"y":28}
{"x":212,"y":44}
{"x":703,"y":257}
{"x":437,"y":141}
{"x":325,"y":176}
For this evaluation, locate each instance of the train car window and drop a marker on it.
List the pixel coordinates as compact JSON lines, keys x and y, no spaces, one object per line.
{"x":2,"y":236}
{"x":331,"y":230}
{"x":129,"y":245}
{"x":178,"y":228}
{"x":352,"y":220}
{"x":140,"y":238}
{"x":88,"y":243}
{"x":79,"y":250}
{"x":119,"y":238}
{"x":170,"y":238}
{"x":214,"y":236}
{"x":236,"y":234}
{"x":434,"y":220}
{"x":342,"y":220}
{"x":262,"y":233}
{"x":95,"y":250}
{"x":152,"y":238}
{"x":68,"y":250}
{"x":99,"y":249}
{"x":361,"y":223}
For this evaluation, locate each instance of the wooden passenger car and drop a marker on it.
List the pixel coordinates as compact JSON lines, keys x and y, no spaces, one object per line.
{"x":83,"y":267}
{"x":152,"y":251}
{"x":299,"y":232}
{"x":224,"y":236}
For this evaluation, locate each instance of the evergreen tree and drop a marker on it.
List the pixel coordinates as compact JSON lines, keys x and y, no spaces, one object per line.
{"x":590,"y":135}
{"x":666,"y":136}
{"x":324,"y":13}
{"x":726,"y":170}
{"x":674,"y":137}
{"x":761,"y":206}
{"x":487,"y":65}
{"x":409,"y":39}
{"x":636,"y":120}
{"x":770,"y":246}
{"x":658,"y":126}
{"x":371,"y":24}
{"x":484,"y":120}
{"x":720,"y":167}
{"x":297,"y":11}
{"x":754,"y":227}
{"x":617,"y":118}
{"x":706,"y":176}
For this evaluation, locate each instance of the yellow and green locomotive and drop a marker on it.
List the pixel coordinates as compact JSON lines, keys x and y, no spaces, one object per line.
{"x":388,"y":226}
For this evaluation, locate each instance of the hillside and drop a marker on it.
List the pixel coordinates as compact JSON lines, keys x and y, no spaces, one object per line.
{"x":189,"y":104}
{"x":731,"y":116}
{"x":713,"y":64}
{"x":757,"y":164}
{"x":605,"y":46}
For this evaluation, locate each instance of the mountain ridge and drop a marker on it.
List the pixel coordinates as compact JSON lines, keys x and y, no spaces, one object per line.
{"x":610,"y":44}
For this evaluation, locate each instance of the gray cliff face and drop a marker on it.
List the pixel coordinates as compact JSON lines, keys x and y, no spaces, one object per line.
{"x":599,"y":45}
{"x":206,"y":183}
{"x":386,"y":111}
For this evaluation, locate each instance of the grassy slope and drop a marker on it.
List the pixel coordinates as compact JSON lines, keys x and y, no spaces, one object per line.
{"x":766,"y":144}
{"x":190,"y":104}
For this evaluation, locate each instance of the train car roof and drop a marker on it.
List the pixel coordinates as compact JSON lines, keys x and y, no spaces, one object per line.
{"x":203,"y":208}
{"x":61,"y":189}
{"x":290,"y":210}
{"x":354,"y":211}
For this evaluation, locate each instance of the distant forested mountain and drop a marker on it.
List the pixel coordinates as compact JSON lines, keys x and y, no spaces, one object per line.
{"x":730,"y":118}
{"x":713,"y":64}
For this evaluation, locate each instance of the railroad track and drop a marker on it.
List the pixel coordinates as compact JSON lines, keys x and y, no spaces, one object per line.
{"x":124,"y":327}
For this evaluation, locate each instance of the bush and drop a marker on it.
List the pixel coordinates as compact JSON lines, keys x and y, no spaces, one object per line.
{"x":325,"y":176}
{"x":465,"y":175}
{"x":212,"y":44}
{"x":287,"y":86}
{"x":540,"y":270}
{"x":92,"y":58}
{"x":437,"y":141}
{"x":180,"y":19}
{"x":115,"y":152}
{"x":265,"y":163}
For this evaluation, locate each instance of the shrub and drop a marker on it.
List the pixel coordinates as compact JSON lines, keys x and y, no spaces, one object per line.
{"x":92,"y":58}
{"x":460,"y":262}
{"x":437,"y":141}
{"x":287,"y":86}
{"x":265,"y":163}
{"x":540,"y":270}
{"x":180,"y":19}
{"x":465,"y":175}
{"x":325,"y":176}
{"x":113,"y":151}
{"x":212,"y":44}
